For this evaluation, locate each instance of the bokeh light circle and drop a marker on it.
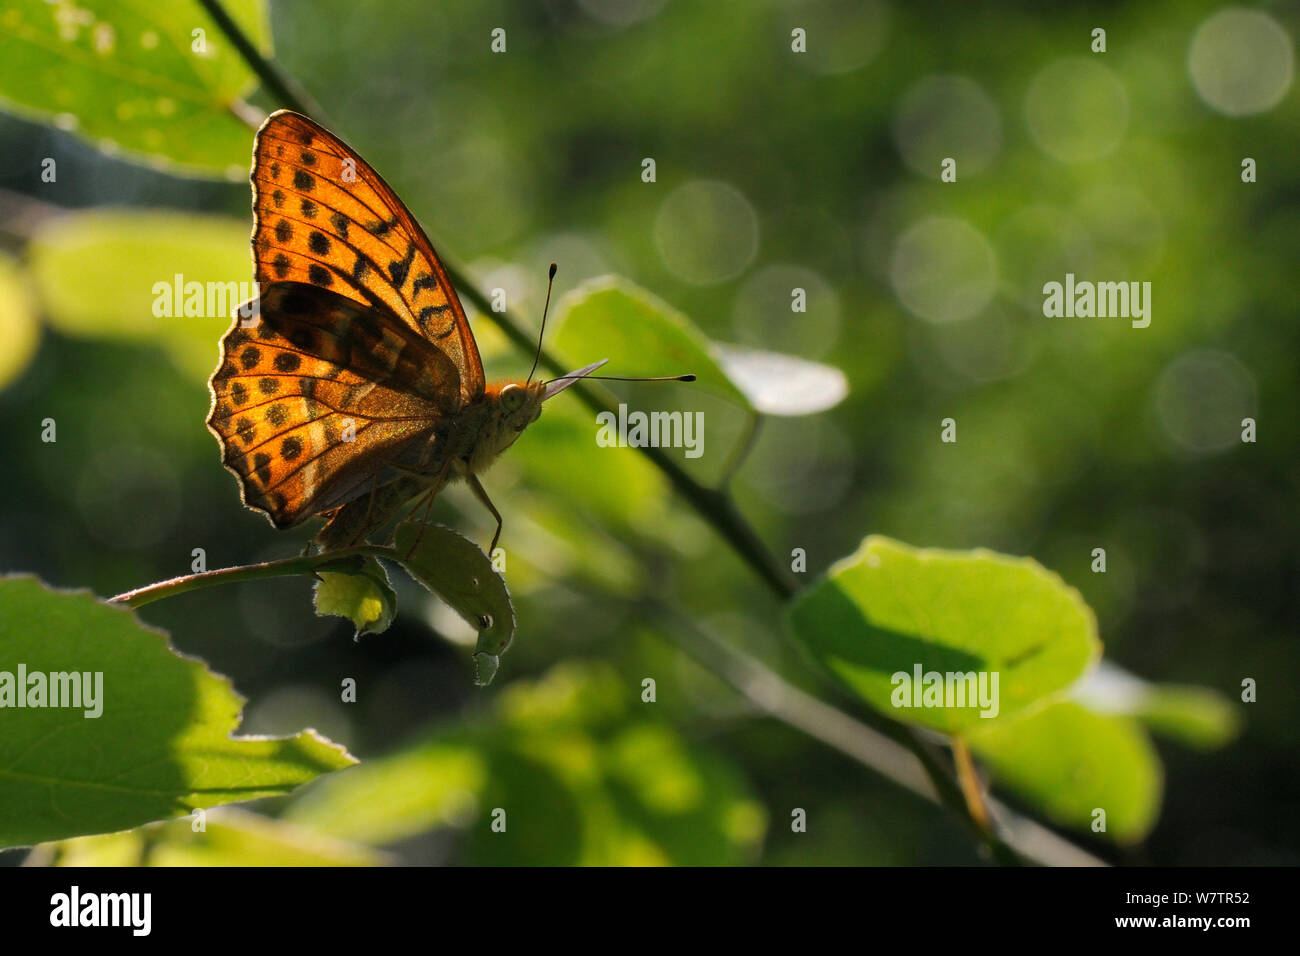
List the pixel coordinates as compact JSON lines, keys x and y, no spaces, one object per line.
{"x":1241,"y":62}
{"x":763,"y":315}
{"x":944,"y":116}
{"x":706,"y":231}
{"x":1077,"y":110}
{"x":943,"y":269}
{"x":841,"y":35}
{"x":1202,"y":397}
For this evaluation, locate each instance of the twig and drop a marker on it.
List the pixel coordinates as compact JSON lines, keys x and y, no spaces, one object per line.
{"x":343,"y":560}
{"x":969,"y":779}
{"x":281,"y":86}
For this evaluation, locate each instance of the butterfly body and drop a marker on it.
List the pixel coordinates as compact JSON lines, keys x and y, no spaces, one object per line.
{"x":465,"y":448}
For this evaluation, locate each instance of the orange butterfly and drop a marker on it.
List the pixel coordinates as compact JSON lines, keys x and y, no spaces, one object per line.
{"x":354,"y":382}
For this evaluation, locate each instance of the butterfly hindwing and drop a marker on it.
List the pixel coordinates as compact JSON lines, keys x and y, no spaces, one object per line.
{"x":319,"y":394}
{"x":324,"y":217}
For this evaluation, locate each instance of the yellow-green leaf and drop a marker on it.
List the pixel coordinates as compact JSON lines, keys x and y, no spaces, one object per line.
{"x":157,"y":81}
{"x":146,"y":733}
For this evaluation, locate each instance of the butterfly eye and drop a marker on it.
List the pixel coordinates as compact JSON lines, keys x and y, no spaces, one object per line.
{"x":512,"y":397}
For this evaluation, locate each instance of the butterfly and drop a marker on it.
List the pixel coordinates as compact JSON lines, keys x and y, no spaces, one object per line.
{"x":353,"y":382}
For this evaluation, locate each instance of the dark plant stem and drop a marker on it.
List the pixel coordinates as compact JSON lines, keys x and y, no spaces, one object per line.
{"x":343,"y":560}
{"x":281,"y":86}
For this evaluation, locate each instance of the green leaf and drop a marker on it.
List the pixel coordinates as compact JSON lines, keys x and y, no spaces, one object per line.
{"x":106,"y":274}
{"x":127,"y":77}
{"x":890,"y":609}
{"x":1070,"y":762}
{"x":556,"y":453}
{"x":161,"y":745}
{"x":455,"y":569}
{"x":420,"y":788}
{"x":779,"y":384}
{"x":640,"y":334}
{"x":1196,"y":716}
{"x":365,"y":597}
{"x":20,"y":329}
{"x":230,"y":838}
{"x":582,"y":780}
{"x":612,"y":318}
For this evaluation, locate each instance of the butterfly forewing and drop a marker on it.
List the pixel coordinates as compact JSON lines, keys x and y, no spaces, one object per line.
{"x":323,"y":216}
{"x":320,"y":395}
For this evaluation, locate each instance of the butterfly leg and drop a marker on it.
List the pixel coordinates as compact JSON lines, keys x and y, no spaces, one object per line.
{"x":436,"y":485}
{"x":427,"y":501}
{"x":482,"y":496}
{"x":370,"y":505}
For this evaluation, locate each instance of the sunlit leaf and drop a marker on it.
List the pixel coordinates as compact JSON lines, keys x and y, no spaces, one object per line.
{"x":1071,"y":762}
{"x":779,"y":384}
{"x":891,"y":610}
{"x":1196,"y":716}
{"x":160,"y":745}
{"x":432,"y":784}
{"x":366,"y":598}
{"x":20,"y":329}
{"x":558,"y":452}
{"x":579,"y":777}
{"x":136,"y":77}
{"x":640,"y":335}
{"x":115,"y":274}
{"x":228,"y":838}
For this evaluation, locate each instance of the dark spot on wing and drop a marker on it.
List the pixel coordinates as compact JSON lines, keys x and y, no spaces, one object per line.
{"x":287,"y":362}
{"x":290,"y":448}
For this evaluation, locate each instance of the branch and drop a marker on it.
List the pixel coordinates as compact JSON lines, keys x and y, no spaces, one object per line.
{"x":282,"y":87}
{"x":344,"y":560}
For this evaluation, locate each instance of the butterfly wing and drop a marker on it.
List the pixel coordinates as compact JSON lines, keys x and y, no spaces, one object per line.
{"x":323,"y":216}
{"x":319,"y":394}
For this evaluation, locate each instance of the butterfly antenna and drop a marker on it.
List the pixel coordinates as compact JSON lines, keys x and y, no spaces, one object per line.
{"x":688,"y":377}
{"x":550,"y":281}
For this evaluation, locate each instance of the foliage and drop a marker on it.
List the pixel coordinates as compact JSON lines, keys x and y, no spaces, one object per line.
{"x":154,"y":743}
{"x":823,"y":425}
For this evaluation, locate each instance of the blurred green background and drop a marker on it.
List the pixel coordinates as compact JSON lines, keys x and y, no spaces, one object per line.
{"x":775,"y":170}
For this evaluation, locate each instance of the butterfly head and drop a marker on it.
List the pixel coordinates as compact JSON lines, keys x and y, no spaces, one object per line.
{"x":510,"y":408}
{"x":519,"y":404}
